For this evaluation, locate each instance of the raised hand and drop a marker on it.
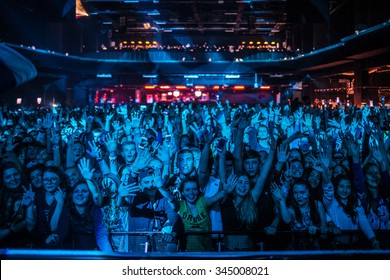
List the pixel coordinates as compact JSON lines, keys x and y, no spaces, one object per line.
{"x":59,"y":196}
{"x":110,"y":143}
{"x":231,"y":183}
{"x":109,"y":117}
{"x":95,"y":150}
{"x":127,"y":127}
{"x":255,"y":119}
{"x":143,"y":159}
{"x":377,"y":154}
{"x":55,"y":137}
{"x":73,"y":123}
{"x":282,"y":154}
{"x":85,"y":169}
{"x":277,"y":192}
{"x":48,"y":121}
{"x":365,"y":112}
{"x":198,"y":132}
{"x":116,"y":125}
{"x":108,"y":186}
{"x":28,"y":196}
{"x":135,"y":119}
{"x":128,"y":190}
{"x":317,"y":121}
{"x":334,"y":123}
{"x":208,"y":137}
{"x":158,"y":182}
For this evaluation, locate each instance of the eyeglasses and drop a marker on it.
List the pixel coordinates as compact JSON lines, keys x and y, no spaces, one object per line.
{"x":51,"y":180}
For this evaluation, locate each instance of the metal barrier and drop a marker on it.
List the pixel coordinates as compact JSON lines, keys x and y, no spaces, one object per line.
{"x":258,"y":241}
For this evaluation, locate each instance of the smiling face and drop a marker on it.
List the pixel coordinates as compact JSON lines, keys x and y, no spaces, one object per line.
{"x":12,"y":178}
{"x":36,"y":178}
{"x":190,"y":192}
{"x":185,"y":161}
{"x":296,"y":169}
{"x":373,"y":176}
{"x":81,"y":195}
{"x":344,"y":189}
{"x":301,"y":195}
{"x":243,"y":186}
{"x":73,"y":176}
{"x":314,"y":178}
{"x":51,"y":181}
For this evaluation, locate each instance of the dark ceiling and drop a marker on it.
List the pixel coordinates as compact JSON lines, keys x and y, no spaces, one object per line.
{"x":257,"y":17}
{"x":307,"y":25}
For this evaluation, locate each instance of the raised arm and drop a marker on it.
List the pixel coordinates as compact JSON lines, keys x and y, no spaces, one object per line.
{"x":261,"y":180}
{"x":87,"y":173}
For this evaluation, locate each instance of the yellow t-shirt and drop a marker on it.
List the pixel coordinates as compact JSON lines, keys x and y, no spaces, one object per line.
{"x":199,"y":223}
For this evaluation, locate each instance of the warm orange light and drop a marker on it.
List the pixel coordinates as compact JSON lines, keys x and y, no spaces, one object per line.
{"x":200,"y":87}
{"x":181,"y":87}
{"x":165,"y":87}
{"x":150,"y":87}
{"x":265,"y":87}
{"x":239,"y":87}
{"x":215,"y":87}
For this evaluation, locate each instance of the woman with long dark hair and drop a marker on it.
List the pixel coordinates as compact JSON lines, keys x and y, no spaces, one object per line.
{"x":345,"y":209}
{"x":87,"y":231}
{"x":302,"y":212}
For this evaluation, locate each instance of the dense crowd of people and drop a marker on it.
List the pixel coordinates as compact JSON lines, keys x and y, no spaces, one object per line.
{"x":195,"y":177}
